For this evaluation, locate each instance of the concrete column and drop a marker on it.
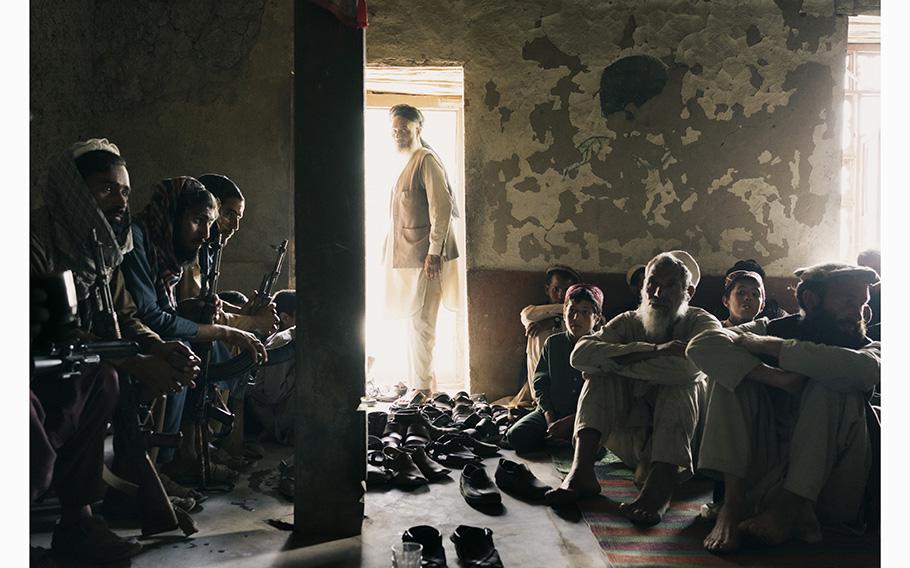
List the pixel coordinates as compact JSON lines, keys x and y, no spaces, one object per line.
{"x":329,"y":235}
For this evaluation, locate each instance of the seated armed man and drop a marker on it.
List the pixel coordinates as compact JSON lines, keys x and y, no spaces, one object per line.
{"x":556,"y":383}
{"x":642,"y":398}
{"x":230,"y":212}
{"x":167,"y":236}
{"x":786,"y":426}
{"x":241,"y":315}
{"x":544,"y":320}
{"x":88,"y":190}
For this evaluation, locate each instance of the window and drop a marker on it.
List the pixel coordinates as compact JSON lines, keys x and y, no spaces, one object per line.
{"x":861,"y":167}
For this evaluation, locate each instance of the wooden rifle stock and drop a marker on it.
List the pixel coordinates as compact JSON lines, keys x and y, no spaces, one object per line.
{"x":156,"y":511}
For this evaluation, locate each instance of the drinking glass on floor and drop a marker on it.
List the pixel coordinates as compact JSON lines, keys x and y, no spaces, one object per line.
{"x":406,"y":555}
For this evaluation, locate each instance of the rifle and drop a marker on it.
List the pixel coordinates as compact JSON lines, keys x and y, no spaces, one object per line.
{"x":155,"y":507}
{"x":204,"y":409}
{"x":270,"y":279}
{"x":70,"y":359}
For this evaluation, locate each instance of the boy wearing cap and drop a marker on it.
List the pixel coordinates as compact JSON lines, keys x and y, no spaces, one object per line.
{"x":556,"y":384}
{"x":642,"y":397}
{"x":772,"y":309}
{"x":744,"y":297}
{"x":542,"y":321}
{"x":786,"y":427}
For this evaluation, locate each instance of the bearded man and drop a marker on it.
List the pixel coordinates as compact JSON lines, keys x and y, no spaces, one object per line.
{"x":420,"y":247}
{"x":642,"y":397}
{"x":786,"y":425}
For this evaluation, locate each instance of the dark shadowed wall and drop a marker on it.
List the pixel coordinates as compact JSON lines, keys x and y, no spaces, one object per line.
{"x":183,"y":88}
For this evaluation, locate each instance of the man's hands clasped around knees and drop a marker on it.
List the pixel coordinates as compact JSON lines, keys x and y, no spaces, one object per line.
{"x":168,"y":367}
{"x":772,"y":376}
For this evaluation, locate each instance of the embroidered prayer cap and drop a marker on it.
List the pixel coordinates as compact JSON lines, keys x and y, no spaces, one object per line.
{"x":631,"y":273}
{"x":562,"y":268}
{"x":93,"y":144}
{"x":690,"y":263}
{"x":738,"y":275}
{"x":596,"y":293}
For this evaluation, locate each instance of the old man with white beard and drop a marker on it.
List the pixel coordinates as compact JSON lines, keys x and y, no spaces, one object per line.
{"x":642,"y":398}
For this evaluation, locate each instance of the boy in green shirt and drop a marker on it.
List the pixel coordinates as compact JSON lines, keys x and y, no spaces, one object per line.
{"x":556,"y":384}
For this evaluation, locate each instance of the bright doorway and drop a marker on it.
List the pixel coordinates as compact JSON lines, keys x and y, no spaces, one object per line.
{"x":439,"y":93}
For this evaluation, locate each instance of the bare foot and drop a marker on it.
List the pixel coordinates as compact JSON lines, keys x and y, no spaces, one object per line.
{"x":581,"y":482}
{"x":726,"y":533}
{"x":654,"y":497}
{"x":778,"y":523}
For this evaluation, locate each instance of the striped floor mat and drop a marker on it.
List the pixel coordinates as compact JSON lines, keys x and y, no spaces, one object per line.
{"x":677,"y":540}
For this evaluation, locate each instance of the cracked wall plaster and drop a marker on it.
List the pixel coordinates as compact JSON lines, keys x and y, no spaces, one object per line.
{"x":707,"y":164}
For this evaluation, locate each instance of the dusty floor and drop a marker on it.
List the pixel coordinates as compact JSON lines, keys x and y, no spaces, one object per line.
{"x":234,"y":531}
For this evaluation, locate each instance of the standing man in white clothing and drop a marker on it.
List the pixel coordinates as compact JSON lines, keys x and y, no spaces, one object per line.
{"x":420,"y":247}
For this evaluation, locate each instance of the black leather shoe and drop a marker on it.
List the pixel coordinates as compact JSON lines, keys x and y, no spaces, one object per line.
{"x":475,"y":548}
{"x":517,"y":479}
{"x":451,"y":453}
{"x":376,"y":422}
{"x":430,"y":469}
{"x":482,"y":449}
{"x":405,"y":473}
{"x":433,"y":555}
{"x":477,"y":488}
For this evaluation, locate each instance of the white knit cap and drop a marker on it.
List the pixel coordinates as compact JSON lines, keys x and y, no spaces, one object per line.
{"x":690,"y":263}
{"x":92,"y":144}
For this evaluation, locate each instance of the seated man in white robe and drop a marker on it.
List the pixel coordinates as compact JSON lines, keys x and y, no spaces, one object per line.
{"x":786,"y":428}
{"x":642,"y":397}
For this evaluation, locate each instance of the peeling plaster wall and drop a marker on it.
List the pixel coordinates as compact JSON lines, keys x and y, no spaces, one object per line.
{"x":183,"y":89}
{"x":737,"y":156}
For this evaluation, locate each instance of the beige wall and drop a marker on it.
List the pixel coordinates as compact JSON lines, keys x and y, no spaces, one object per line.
{"x":737,"y":156}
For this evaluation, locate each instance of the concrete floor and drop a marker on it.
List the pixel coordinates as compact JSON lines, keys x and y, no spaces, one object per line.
{"x":234,"y":532}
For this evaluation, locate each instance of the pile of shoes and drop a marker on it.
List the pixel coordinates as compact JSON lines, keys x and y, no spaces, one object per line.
{"x":514,"y":478}
{"x":421,"y":437}
{"x":473,"y":546}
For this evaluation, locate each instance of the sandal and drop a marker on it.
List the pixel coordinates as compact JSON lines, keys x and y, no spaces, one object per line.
{"x":221,"y":456}
{"x":218,"y":475}
{"x":639,"y":516}
{"x":174,"y":489}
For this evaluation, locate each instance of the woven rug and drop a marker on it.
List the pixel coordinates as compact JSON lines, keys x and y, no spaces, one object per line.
{"x":677,"y":540}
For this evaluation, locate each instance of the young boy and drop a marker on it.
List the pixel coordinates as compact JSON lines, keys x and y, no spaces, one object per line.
{"x":556,"y":384}
{"x":744,"y":297}
{"x":542,"y":321}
